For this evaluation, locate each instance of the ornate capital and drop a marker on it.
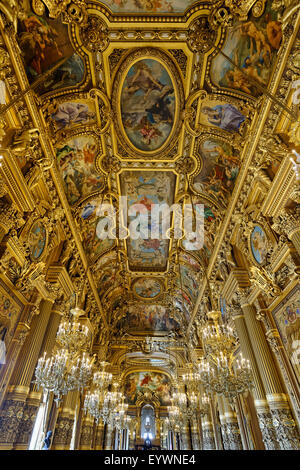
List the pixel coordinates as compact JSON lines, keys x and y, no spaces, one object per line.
{"x":288,"y":222}
{"x":263,"y":280}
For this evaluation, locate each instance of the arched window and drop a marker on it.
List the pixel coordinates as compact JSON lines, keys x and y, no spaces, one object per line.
{"x":148,"y":422}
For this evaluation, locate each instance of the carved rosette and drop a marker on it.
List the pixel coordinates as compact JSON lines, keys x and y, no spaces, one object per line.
{"x":201,"y":36}
{"x":95,"y":35}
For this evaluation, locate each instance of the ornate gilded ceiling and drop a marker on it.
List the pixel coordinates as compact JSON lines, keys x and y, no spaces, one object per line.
{"x":155,"y":100}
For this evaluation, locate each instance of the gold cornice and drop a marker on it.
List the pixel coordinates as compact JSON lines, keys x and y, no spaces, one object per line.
{"x":280,"y":190}
{"x":237,"y":279}
{"x":58,"y":274}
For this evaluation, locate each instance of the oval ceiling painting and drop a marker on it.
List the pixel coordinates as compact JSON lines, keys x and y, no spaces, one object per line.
{"x":148,"y":105}
{"x":147,"y":288}
{"x":259,"y":244}
{"x":37,"y":239}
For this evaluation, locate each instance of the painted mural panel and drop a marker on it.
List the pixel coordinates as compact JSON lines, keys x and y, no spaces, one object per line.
{"x":147,"y":288}
{"x":219,"y":171}
{"x":148,"y":6}
{"x":73,"y":113}
{"x":259,"y":244}
{"x":184,"y":303}
{"x":45,"y":43}
{"x":142,"y":381}
{"x":148,"y":105}
{"x":147,"y":188}
{"x":221,"y":115}
{"x":287,"y":318}
{"x":69,"y":74}
{"x":76,"y":162}
{"x":188,"y":281}
{"x":93,"y":245}
{"x":210,"y":228}
{"x":144,"y":317}
{"x":37,"y":239}
{"x":107,"y":280}
{"x":252,"y":46}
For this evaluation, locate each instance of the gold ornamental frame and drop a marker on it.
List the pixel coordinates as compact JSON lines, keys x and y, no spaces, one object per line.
{"x":169,"y":65}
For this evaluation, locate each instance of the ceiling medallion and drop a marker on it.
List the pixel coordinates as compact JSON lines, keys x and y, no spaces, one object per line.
{"x":259,"y":244}
{"x":148,"y":100}
{"x":95,"y":35}
{"x":147,"y":288}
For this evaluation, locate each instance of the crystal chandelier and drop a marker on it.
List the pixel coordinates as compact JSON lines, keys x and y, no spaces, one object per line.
{"x":97,"y":401}
{"x":174,"y":417}
{"x":72,"y":335}
{"x":102,"y":378}
{"x":119,"y":417}
{"x":107,"y":405}
{"x":217,"y":371}
{"x":61,"y":374}
{"x":187,"y":403}
{"x":93,"y":403}
{"x":70,"y":368}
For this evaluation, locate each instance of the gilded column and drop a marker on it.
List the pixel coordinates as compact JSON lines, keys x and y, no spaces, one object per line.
{"x":259,"y":394}
{"x":223,"y":423}
{"x":99,"y":436}
{"x":208,"y":434}
{"x":233,"y":430}
{"x":13,"y":351}
{"x":195,"y":434}
{"x":34,"y":397}
{"x":18,"y":391}
{"x":86,"y":435}
{"x":283,"y":422}
{"x":185,"y":436}
{"x":65,"y":423}
{"x":108,"y":437}
{"x":276,"y":345}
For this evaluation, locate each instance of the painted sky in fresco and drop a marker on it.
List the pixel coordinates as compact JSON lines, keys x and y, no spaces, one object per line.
{"x":148,"y":6}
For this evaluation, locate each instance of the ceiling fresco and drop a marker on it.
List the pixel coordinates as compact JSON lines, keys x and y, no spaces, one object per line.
{"x":147,"y":189}
{"x":148,"y":6}
{"x":156,"y":115}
